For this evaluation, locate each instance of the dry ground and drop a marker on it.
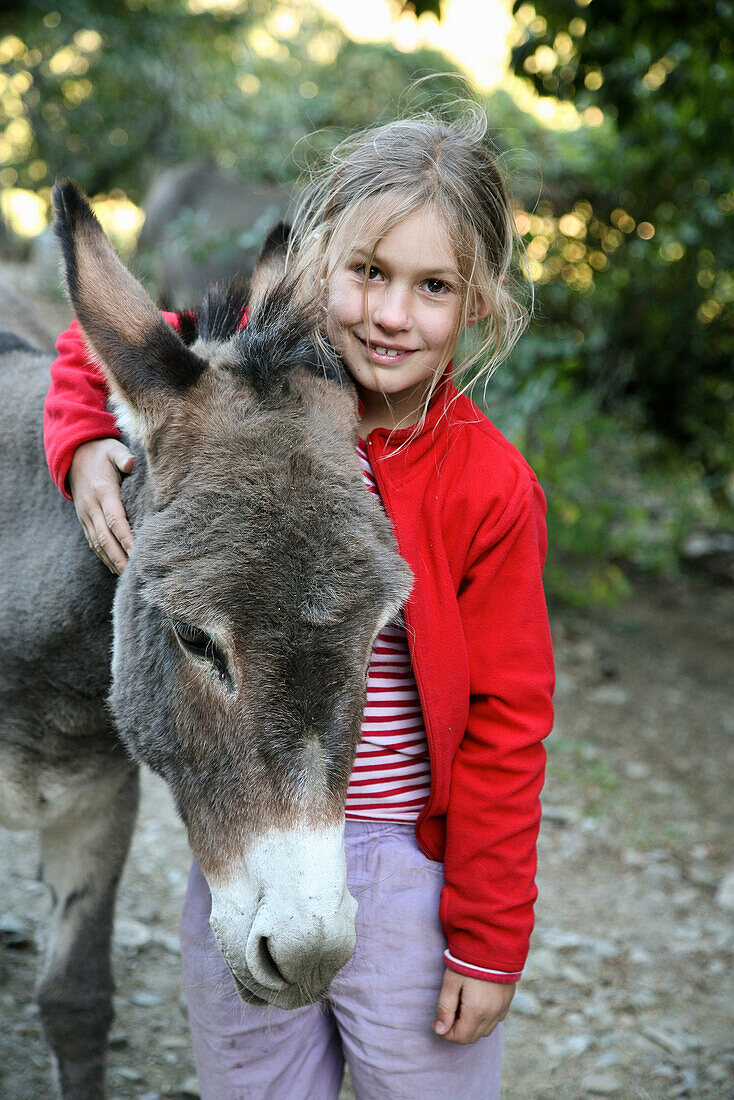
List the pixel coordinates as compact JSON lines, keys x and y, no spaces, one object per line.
{"x":628,"y":990}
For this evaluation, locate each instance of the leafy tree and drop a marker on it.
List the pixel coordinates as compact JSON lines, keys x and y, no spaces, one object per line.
{"x":657,"y":208}
{"x":110,"y":93}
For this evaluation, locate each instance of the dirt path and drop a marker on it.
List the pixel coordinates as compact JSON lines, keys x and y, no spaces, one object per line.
{"x":628,"y":991}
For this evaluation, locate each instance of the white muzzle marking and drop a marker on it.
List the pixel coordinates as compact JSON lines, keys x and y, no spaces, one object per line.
{"x":285,"y":923}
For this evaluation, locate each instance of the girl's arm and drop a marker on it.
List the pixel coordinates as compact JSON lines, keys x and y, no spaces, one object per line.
{"x":85,"y":456}
{"x":494,"y":808}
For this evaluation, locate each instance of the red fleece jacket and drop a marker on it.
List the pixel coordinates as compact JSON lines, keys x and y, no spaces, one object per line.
{"x":469,"y":518}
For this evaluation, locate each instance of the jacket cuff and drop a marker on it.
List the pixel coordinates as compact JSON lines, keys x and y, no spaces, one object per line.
{"x":481,"y":972}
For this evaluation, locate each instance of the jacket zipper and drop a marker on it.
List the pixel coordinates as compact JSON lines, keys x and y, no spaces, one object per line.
{"x":413,"y":657}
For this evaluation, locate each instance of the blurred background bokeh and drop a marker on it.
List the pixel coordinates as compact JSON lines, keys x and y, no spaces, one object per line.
{"x":614,"y":122}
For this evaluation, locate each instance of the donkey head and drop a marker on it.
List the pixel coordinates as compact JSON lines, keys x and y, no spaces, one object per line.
{"x":260,"y":575}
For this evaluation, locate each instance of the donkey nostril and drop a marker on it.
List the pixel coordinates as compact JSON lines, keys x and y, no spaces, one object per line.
{"x":267,"y":961}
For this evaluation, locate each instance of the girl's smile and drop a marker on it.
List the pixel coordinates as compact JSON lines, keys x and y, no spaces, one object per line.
{"x":406,"y":334}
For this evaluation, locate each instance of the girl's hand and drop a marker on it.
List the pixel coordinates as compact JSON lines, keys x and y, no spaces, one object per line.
{"x":94,"y":481}
{"x":469,"y":1008}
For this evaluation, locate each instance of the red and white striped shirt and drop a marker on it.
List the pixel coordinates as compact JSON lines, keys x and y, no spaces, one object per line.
{"x":391,"y":777}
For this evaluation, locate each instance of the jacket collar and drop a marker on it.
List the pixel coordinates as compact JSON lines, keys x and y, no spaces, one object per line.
{"x":405,"y":447}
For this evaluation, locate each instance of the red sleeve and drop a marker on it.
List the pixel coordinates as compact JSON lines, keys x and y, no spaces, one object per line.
{"x":494,"y":807}
{"x":75,"y":410}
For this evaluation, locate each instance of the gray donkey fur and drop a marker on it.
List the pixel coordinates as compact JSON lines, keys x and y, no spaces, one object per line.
{"x":241,"y":634}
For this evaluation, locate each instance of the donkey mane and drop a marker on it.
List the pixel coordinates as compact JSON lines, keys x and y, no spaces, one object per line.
{"x":282,"y":335}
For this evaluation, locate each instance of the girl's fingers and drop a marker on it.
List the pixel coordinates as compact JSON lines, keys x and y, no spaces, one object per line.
{"x":123,"y":458}
{"x":116,"y":521}
{"x":104,"y":543}
{"x":469,"y":1029}
{"x":448,"y":1003}
{"x":478,"y":1007}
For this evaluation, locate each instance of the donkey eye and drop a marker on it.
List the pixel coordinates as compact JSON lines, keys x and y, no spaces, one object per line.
{"x":191,"y":637}
{"x":201,"y":644}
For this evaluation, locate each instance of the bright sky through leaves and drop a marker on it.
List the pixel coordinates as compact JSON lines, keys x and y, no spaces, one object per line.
{"x":472,"y":32}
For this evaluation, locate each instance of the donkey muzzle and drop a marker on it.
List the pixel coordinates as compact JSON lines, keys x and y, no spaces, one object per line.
{"x":285,"y":925}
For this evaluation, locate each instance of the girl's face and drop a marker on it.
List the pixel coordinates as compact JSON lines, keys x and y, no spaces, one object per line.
{"x":413,"y":302}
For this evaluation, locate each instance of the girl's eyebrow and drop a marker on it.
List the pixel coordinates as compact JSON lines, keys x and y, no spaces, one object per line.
{"x":437,"y":272}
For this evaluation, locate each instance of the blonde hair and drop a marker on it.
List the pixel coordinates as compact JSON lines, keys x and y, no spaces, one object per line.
{"x":376,"y":178}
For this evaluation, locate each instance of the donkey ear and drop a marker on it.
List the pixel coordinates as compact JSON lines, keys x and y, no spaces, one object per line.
{"x":269,"y":265}
{"x":142,"y":356}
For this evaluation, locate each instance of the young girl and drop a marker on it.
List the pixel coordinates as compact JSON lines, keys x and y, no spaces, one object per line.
{"x":407,"y":241}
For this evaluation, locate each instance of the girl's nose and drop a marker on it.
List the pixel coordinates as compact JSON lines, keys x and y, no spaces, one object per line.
{"x":391,"y":310}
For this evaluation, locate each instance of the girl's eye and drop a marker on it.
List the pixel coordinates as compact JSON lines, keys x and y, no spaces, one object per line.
{"x":201,"y":644}
{"x":374,"y":272}
{"x":436,"y":286}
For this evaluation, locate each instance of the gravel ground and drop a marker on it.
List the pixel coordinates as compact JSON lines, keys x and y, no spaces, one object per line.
{"x":628,"y":990}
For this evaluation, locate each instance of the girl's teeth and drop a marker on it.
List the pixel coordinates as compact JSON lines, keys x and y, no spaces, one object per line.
{"x":391,"y":353}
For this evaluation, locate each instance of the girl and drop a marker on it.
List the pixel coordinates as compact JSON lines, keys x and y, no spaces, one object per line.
{"x":406,"y":240}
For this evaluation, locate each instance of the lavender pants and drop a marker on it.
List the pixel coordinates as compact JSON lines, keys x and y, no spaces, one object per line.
{"x":379,"y":1009}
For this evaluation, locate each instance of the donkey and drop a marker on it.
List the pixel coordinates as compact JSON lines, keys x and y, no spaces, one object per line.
{"x":239,"y":634}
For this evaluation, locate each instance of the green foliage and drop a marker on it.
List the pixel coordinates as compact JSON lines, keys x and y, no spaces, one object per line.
{"x":111,"y":93}
{"x":659,"y":315}
{"x":617,"y":497}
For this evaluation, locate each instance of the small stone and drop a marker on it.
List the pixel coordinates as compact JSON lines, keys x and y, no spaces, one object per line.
{"x":676,"y":1043}
{"x":144,"y":999}
{"x":562,"y":940}
{"x":569,"y":1047}
{"x":589,"y":946}
{"x":526,"y":1003}
{"x":641,"y":999}
{"x":701,"y":876}
{"x":585,"y":650}
{"x":132,"y":935}
{"x":662,"y":1069}
{"x":147,"y":912}
{"x":190,"y":1089}
{"x":635,"y":769}
{"x":662,"y":872}
{"x":611,"y":1058}
{"x":542,"y":963}
{"x":127,"y":1073}
{"x":14,"y":934}
{"x":576,"y":977}
{"x":688,"y":1086}
{"x":664,"y":788}
{"x":117,"y":1040}
{"x":611,"y":694}
{"x":169,"y":941}
{"x":565,"y":685}
{"x":561,"y":815}
{"x":601,"y":1084}
{"x":725,"y":893}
